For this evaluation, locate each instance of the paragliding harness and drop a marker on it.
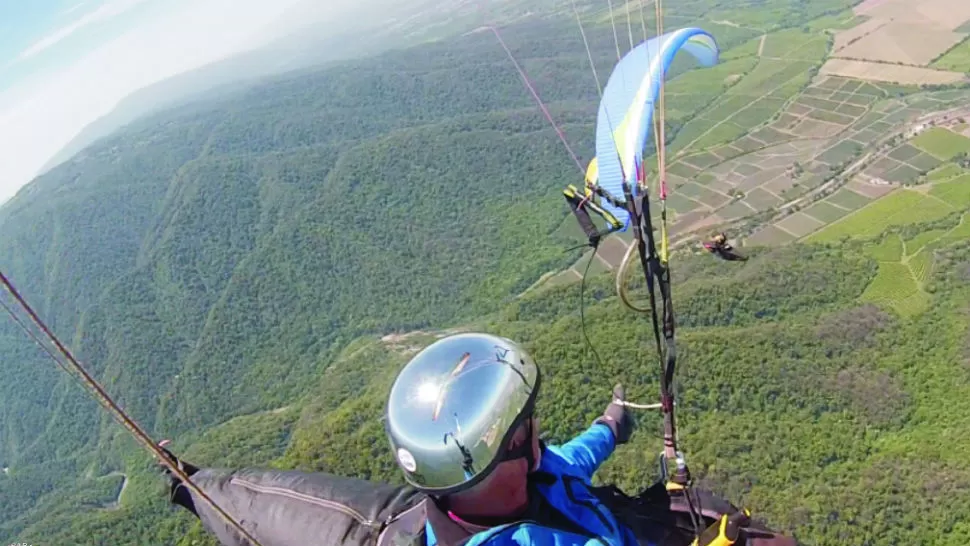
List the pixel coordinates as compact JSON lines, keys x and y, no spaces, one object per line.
{"x":659,"y":516}
{"x":581,"y":204}
{"x":672,"y":512}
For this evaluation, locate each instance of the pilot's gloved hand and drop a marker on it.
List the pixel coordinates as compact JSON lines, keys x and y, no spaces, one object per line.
{"x":617,"y":417}
{"x":178,"y":492}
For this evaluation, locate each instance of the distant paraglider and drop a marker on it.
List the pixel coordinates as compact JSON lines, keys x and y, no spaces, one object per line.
{"x":719,"y":246}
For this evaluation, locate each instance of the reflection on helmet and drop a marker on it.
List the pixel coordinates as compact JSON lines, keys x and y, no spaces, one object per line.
{"x":454,"y":407}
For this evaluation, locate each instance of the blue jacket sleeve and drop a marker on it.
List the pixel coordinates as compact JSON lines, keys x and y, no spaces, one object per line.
{"x":528,"y":534}
{"x":590,"y":449}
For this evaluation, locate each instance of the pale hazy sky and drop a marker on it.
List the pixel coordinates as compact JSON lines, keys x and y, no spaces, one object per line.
{"x":65,"y":63}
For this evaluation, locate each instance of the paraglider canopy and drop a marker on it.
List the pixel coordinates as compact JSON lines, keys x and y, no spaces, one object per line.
{"x":626,"y":110}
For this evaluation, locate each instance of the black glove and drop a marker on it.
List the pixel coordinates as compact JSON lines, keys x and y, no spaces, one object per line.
{"x":616,"y":417}
{"x":178,"y":493}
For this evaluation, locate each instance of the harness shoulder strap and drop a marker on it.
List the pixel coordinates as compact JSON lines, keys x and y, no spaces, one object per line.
{"x":407,"y":528}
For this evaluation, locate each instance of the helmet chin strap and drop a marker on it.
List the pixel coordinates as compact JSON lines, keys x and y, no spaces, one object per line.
{"x":524,"y":450}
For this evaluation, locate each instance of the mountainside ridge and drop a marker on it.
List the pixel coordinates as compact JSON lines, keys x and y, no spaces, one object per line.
{"x":245,"y":275}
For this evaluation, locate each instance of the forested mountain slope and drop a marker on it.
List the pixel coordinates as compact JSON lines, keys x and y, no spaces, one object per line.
{"x":259,"y":212}
{"x":209,"y":261}
{"x":228,"y":270}
{"x":821,"y":413}
{"x":332,"y":32}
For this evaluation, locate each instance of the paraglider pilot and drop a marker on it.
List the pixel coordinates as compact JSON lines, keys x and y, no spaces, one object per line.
{"x":495,"y":484}
{"x":718,"y":245}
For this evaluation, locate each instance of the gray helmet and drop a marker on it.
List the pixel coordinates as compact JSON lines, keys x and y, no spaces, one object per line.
{"x":454,"y":408}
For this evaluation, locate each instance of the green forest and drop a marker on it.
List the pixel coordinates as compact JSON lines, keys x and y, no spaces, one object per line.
{"x":246,"y":274}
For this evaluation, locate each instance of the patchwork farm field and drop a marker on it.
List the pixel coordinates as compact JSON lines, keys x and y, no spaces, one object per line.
{"x":904,"y":41}
{"x":782,"y":159}
{"x":923,"y":159}
{"x":779,"y":147}
{"x":956,"y":59}
{"x":905,"y":266}
{"x":942,"y":143}
{"x":955,"y":192}
{"x":899,"y":208}
{"x":890,"y":73}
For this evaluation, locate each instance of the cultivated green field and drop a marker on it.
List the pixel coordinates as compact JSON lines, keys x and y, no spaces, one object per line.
{"x":893,"y":283}
{"x":942,"y":143}
{"x":956,"y":192}
{"x":945,"y":172}
{"x":957,"y":59}
{"x":899,"y":208}
{"x":848,"y":199}
{"x":922,"y":239}
{"x":906,"y":265}
{"x":958,"y":234}
{"x":889,"y":249}
{"x":921,"y":264}
{"x":826,"y":212}
{"x":770,"y":236}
